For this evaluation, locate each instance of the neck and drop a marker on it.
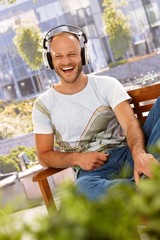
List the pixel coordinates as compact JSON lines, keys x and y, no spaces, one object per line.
{"x":72,"y":88}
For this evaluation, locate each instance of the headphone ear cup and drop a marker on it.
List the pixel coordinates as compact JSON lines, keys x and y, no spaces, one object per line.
{"x":84,"y":55}
{"x":47,"y":60}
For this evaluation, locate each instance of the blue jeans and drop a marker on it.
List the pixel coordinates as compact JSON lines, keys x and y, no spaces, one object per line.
{"x":119,"y":167}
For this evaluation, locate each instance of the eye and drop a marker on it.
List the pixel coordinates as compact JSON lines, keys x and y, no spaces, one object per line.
{"x":72,"y":54}
{"x":58,"y":57}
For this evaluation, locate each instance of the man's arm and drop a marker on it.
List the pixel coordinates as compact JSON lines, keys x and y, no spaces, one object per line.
{"x":135,"y":140}
{"x":51,"y":158}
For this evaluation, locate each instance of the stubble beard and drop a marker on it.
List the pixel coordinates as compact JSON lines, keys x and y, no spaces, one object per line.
{"x":78,"y":72}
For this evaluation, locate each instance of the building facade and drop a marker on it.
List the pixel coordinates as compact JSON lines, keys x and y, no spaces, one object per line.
{"x":18,"y":81}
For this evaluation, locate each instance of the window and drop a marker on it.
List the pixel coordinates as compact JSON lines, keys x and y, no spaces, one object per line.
{"x":49,"y":11}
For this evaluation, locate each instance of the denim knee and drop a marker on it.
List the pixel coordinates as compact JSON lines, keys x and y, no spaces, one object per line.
{"x":95,"y":187}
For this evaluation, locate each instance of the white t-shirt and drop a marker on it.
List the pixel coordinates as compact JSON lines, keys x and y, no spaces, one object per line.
{"x":84,"y":121}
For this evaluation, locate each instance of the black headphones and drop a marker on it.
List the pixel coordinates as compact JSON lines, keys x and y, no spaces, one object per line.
{"x":78,"y":32}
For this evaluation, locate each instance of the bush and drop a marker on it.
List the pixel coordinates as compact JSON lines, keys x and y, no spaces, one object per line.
{"x":147,"y":206}
{"x":7,"y":165}
{"x":11,"y":163}
{"x":82,"y":219}
{"x":123,"y":214}
{"x":115,"y":64}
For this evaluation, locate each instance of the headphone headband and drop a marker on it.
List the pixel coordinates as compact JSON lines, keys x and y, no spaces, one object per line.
{"x":64,"y":28}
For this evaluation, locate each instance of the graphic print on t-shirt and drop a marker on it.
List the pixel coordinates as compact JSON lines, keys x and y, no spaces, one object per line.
{"x":101,"y":132}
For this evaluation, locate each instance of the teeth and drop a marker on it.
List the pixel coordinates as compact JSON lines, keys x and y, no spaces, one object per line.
{"x":67,"y":68}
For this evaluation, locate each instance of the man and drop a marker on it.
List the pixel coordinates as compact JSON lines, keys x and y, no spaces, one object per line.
{"x":86,"y":122}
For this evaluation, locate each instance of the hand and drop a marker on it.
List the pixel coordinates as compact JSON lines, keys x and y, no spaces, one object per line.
{"x":92,"y":160}
{"x":143,"y":164}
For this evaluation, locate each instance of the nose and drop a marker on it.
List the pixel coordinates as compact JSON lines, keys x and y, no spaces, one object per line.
{"x":66,"y":60}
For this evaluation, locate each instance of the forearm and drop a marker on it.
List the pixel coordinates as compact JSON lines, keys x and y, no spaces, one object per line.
{"x":51,"y":158}
{"x":58,"y":159}
{"x":86,"y":160}
{"x":135,"y":138}
{"x":131,"y":127}
{"x":142,"y":161}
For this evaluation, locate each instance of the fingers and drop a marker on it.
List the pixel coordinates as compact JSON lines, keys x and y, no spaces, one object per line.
{"x":98,"y":162}
{"x":93,"y":160}
{"x":148,"y":173}
{"x":107,"y":155}
{"x":102,"y":156}
{"x":136,"y":177}
{"x":143,"y":165}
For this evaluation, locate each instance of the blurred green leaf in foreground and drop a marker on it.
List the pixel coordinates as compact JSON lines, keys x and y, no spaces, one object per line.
{"x":125,"y":213}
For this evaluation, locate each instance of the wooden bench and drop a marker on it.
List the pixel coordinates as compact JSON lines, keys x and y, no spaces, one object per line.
{"x":142,"y":101}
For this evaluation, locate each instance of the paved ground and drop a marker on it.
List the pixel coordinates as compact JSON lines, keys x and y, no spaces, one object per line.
{"x":29,"y":215}
{"x":129,"y":72}
{"x":136,"y":74}
{"x":18,"y":222}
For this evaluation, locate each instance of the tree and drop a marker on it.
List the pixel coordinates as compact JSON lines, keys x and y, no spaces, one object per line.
{"x":7,"y":1}
{"x":117,"y":27}
{"x":7,"y":165}
{"x":28,"y":42}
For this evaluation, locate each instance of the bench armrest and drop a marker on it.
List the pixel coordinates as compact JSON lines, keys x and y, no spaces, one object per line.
{"x":41,"y":177}
{"x":45,"y":173}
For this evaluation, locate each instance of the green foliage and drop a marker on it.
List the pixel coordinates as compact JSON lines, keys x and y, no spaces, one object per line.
{"x":115,"y":64}
{"x":7,"y":165}
{"x":29,"y":151}
{"x":147,"y":205}
{"x":124,"y":213}
{"x":7,"y":1}
{"x":3,"y":104}
{"x":15,"y":118}
{"x":96,"y":219}
{"x":117,"y":27}
{"x":11,"y":163}
{"x":28,"y":42}
{"x":81,"y":219}
{"x":156,"y":148}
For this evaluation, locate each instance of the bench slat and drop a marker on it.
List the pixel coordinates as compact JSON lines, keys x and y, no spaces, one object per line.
{"x":143,"y":99}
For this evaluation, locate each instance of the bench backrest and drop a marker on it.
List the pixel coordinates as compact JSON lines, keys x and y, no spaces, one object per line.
{"x":143,"y":99}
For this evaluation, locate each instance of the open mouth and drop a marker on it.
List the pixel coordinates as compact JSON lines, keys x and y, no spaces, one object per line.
{"x":67,"y":69}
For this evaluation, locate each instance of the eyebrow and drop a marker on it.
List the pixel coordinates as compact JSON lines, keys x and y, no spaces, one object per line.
{"x":59,"y":53}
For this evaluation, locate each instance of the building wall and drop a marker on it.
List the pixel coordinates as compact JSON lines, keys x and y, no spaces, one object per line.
{"x":24,"y":140}
{"x":16,"y":191}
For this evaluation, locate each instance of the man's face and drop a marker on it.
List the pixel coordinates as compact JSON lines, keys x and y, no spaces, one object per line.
{"x":66,"y":57}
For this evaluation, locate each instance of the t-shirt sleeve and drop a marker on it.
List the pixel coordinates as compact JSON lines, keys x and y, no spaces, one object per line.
{"x":117,"y":93}
{"x":41,"y":118}
{"x":111,"y":91}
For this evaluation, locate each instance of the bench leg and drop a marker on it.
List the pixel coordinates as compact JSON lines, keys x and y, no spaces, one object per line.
{"x":47,"y":194}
